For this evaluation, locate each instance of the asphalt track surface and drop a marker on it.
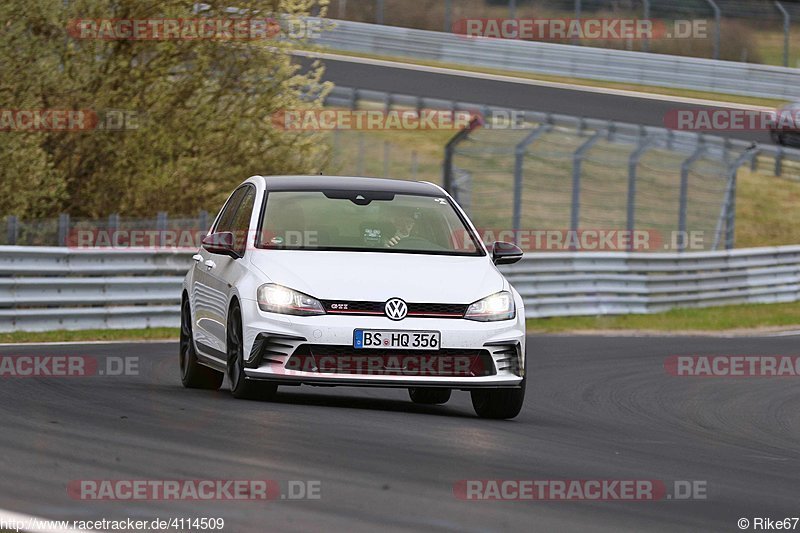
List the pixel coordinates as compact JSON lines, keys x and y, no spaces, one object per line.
{"x":597,"y":408}
{"x":512,"y":95}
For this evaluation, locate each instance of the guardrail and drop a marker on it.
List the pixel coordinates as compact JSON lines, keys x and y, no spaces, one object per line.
{"x":573,"y":284}
{"x":58,"y":288}
{"x":48,"y":288}
{"x":564,"y":60}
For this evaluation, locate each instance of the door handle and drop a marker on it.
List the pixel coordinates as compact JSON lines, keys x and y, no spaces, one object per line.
{"x":197,"y":257}
{"x":210,"y":264}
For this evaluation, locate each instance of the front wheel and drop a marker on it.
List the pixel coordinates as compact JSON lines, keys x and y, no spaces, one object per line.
{"x":436,"y":396}
{"x":193,"y":374}
{"x":498,"y":403}
{"x":241,"y":387}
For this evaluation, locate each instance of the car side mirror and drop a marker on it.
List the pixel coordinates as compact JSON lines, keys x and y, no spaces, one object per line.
{"x":505,"y":253}
{"x":220,"y":243}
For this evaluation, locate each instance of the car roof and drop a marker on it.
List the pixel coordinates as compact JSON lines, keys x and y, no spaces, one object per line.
{"x":347,"y":183}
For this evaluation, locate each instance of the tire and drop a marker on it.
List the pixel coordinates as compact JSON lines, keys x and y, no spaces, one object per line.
{"x":427,"y":396}
{"x":241,"y":386}
{"x":193,"y":374}
{"x":778,"y":137}
{"x":498,"y":403}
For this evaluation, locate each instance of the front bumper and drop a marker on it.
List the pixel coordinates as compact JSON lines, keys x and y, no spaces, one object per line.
{"x":271,"y":340}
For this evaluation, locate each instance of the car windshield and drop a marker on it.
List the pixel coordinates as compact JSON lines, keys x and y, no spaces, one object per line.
{"x":364,"y":221}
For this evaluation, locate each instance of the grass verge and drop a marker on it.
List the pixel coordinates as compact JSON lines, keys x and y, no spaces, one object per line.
{"x":745,"y":316}
{"x":666,"y":91}
{"x":91,"y":335}
{"x":731,"y":317}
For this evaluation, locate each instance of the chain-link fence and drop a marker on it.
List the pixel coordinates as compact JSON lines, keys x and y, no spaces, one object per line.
{"x":550,"y":182}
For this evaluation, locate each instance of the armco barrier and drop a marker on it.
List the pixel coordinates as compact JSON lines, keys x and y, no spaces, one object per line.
{"x":47,"y":288}
{"x":57,"y":288}
{"x":564,"y":60}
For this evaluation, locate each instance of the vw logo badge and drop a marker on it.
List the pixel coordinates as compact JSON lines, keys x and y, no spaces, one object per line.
{"x":396,"y":309}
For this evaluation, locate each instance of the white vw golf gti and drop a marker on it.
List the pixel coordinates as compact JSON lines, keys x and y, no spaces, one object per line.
{"x":321,"y":280}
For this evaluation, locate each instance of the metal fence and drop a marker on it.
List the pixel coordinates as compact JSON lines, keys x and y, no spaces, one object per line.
{"x":80,"y":232}
{"x":525,"y":172}
{"x":45,"y":289}
{"x":440,"y":14}
{"x":565,"y":60}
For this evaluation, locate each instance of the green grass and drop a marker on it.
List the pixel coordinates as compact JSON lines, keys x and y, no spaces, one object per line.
{"x":91,"y":335}
{"x":745,"y":316}
{"x":766,"y":210}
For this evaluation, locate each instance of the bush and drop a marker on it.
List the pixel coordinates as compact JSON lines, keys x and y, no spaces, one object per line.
{"x":200,"y":110}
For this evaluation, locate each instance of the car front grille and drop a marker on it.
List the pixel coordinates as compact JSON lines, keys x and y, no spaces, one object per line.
{"x":417,"y":310}
{"x":449,"y":362}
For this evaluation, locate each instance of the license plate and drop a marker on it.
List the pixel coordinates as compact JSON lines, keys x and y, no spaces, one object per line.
{"x":396,"y":339}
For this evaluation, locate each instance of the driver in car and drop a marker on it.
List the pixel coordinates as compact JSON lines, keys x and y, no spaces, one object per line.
{"x":403,"y":221}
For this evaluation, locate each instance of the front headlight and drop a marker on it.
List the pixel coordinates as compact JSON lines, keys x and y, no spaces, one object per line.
{"x":279,"y":299}
{"x":499,"y":306}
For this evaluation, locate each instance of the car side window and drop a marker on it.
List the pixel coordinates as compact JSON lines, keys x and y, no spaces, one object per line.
{"x":241,"y":220}
{"x":225,"y":220}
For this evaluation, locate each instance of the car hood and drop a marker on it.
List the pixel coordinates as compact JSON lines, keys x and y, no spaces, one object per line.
{"x":376,"y":276}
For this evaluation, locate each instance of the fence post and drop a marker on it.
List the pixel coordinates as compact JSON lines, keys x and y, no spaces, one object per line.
{"x":386,"y":151}
{"x":512,"y":8}
{"x":685,"y":167}
{"x":646,"y":41}
{"x":113,"y":223}
{"x":342,"y":8}
{"x":717,"y":29}
{"x":633,"y":162}
{"x":576,"y":40}
{"x":449,"y":149}
{"x":786,"y":27}
{"x":63,"y":228}
{"x":378,"y":11}
{"x":519,"y":160}
{"x":203,"y":220}
{"x":611,"y":131}
{"x":577,"y":159}
{"x":779,"y":161}
{"x":448,"y":16}
{"x":12,"y":229}
{"x":728,"y":212}
{"x":161,"y":227}
{"x":360,"y":157}
{"x":335,"y":147}
{"x":730,"y":220}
